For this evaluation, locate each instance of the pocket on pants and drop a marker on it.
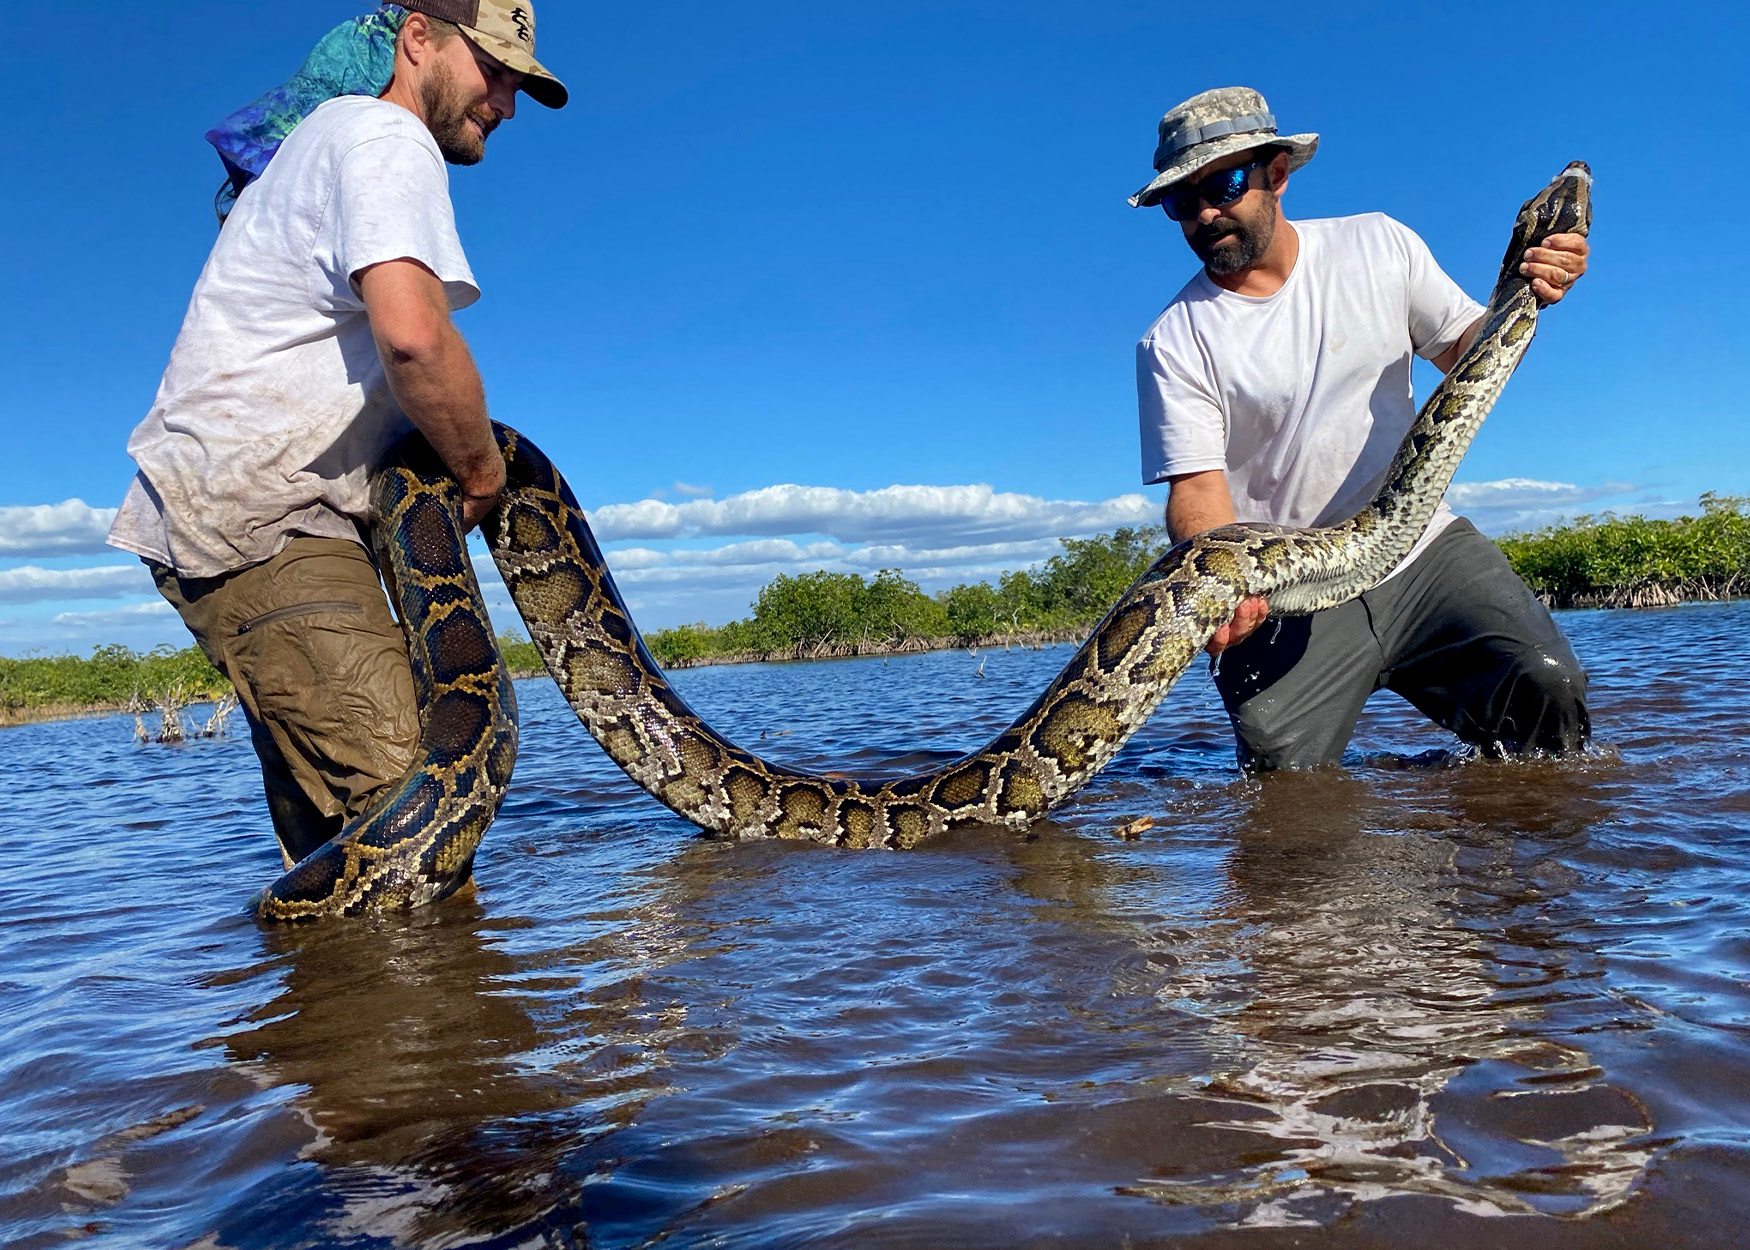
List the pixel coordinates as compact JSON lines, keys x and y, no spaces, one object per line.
{"x":301,"y":609}
{"x":333,"y":688}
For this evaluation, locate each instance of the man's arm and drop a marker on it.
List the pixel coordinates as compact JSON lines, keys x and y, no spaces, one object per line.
{"x":433,"y":377}
{"x":1446,"y":359}
{"x":1197,"y":502}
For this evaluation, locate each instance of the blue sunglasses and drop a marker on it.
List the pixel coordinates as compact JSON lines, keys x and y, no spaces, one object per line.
{"x":1183,"y":202}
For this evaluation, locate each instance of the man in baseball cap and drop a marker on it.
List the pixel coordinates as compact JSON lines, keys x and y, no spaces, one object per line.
{"x":505,"y":31}
{"x":1276,"y":388}
{"x":318,"y":334}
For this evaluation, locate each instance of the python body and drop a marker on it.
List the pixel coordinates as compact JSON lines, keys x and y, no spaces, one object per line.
{"x":418,"y":844}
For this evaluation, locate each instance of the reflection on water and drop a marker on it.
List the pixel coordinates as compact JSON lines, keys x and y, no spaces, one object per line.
{"x":1369,"y":1026}
{"x":453,"y":1088}
{"x":1421,"y":998}
{"x":407,"y":1037}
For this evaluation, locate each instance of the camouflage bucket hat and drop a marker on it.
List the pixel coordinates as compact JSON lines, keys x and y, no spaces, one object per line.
{"x":504,"y":29}
{"x":1210,"y":126}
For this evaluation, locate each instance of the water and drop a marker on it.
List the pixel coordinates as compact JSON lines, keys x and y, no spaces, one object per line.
{"x":1418,"y":1000}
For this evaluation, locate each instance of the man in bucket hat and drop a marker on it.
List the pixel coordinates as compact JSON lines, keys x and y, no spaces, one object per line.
{"x":319,"y":333}
{"x":1276,"y":387}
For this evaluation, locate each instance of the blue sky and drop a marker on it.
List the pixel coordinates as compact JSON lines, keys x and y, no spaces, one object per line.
{"x":885,"y":255}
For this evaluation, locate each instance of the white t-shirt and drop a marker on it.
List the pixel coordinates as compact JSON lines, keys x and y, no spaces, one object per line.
{"x":274,"y":409}
{"x":1302,"y":396}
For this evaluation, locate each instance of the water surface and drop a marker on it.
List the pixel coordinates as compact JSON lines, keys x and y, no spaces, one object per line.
{"x":1420,"y":999}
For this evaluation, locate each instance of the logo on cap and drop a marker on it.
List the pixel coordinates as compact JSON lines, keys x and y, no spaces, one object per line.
{"x":525,"y":28}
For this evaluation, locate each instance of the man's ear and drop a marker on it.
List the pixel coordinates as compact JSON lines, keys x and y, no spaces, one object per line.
{"x":414,"y":41}
{"x":1278,"y":171}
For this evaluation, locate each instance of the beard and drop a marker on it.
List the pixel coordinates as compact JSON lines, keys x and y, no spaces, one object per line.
{"x":1230,"y":244}
{"x":451,"y":118}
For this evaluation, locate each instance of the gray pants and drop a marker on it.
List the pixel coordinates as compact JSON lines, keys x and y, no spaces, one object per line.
{"x":1457,"y":634}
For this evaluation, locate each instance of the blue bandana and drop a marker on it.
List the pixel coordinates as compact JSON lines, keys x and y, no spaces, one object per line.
{"x":357,"y":57}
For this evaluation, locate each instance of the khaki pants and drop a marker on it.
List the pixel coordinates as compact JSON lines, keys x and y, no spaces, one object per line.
{"x":320,"y":666}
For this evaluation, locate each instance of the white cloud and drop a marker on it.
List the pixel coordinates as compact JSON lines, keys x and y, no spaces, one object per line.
{"x":709,"y":582}
{"x":30,"y":584}
{"x":73,"y":528}
{"x":1004,"y":555}
{"x":762,"y":551}
{"x":629,"y":558}
{"x":718,"y":575}
{"x":691,"y":491}
{"x":937,"y":535}
{"x":1520,"y":503}
{"x":1526,"y":492}
{"x":119,"y":616}
{"x":939,"y":514}
{"x":765,"y":558}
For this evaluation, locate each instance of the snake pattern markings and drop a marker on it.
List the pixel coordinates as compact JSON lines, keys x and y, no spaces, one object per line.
{"x":417,"y":845}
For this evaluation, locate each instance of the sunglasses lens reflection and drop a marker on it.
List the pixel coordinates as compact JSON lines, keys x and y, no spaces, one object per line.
{"x":1215,"y":190}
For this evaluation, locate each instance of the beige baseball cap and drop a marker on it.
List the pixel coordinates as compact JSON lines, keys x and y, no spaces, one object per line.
{"x":504,"y":29}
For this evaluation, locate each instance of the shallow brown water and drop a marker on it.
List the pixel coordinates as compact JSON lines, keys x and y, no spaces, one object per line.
{"x":1417,"y":1000}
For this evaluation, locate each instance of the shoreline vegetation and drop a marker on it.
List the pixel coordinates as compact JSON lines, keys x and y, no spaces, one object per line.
{"x":112,"y":679}
{"x":1613,"y":561}
{"x":1592,"y":562}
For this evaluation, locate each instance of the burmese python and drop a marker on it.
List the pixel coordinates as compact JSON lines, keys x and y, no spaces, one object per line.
{"x":418,"y":843}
